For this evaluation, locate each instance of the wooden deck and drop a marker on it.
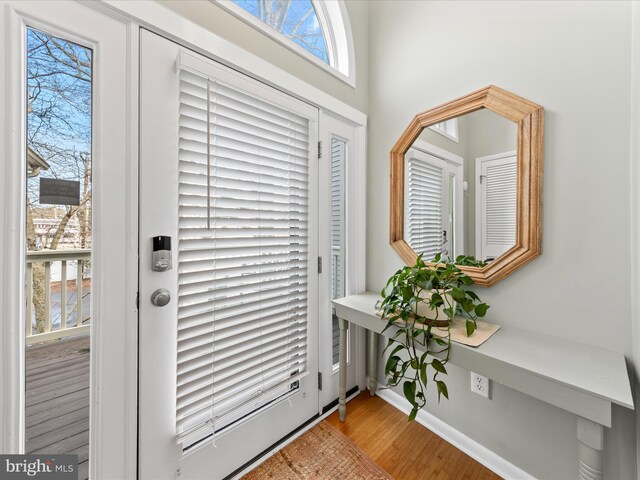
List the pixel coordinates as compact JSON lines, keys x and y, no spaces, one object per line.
{"x":57,"y":399}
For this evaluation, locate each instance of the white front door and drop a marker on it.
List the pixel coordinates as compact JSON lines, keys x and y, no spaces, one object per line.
{"x":229,"y":173}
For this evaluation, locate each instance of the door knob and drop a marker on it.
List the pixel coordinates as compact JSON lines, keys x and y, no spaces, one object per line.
{"x":160,"y":297}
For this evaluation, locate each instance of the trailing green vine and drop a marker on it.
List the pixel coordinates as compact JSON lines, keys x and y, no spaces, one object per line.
{"x":444,"y":289}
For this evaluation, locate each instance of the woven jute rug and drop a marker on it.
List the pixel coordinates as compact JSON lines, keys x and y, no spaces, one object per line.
{"x":321,"y":453}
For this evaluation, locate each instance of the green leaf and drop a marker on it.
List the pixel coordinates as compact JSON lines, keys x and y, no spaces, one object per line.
{"x":458,"y":295}
{"x":407,"y":293}
{"x":473,"y":295}
{"x":466,"y":280}
{"x":395,"y":350}
{"x":412,"y":415}
{"x":436,"y":300}
{"x":442,"y":389}
{"x":481,"y":309}
{"x":392,"y":363}
{"x":437,"y":258}
{"x":409,"y":389}
{"x":471,"y":327}
{"x":423,"y":373}
{"x":438,"y":366}
{"x":468,"y":306}
{"x":440,"y":341}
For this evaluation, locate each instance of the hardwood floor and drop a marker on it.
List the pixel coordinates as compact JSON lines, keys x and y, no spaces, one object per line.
{"x":407,"y":451}
{"x":57,"y":399}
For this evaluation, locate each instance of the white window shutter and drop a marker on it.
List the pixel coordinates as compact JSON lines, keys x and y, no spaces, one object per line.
{"x":424,"y":205}
{"x":338,"y":156}
{"x":498,"y":203}
{"x":338,"y":237}
{"x":242,"y":254}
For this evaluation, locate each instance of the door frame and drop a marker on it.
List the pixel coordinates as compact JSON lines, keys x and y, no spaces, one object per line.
{"x":332,"y":126}
{"x":112,"y":450}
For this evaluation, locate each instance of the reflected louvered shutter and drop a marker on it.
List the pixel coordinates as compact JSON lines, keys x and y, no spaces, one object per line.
{"x":242,"y":260}
{"x":423,"y":218}
{"x":499,"y":189}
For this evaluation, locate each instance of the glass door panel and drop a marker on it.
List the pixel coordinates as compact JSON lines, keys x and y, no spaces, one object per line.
{"x":59,"y":78}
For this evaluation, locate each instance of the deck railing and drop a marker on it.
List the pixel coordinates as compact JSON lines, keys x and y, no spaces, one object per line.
{"x":46,"y":330}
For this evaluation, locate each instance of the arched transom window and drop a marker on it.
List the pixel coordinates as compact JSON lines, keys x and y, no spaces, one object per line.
{"x":316,"y":29}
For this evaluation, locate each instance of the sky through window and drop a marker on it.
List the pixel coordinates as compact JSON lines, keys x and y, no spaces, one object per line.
{"x":295,"y":19}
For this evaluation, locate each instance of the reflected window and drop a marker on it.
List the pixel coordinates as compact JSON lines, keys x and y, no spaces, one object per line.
{"x":448,"y":128}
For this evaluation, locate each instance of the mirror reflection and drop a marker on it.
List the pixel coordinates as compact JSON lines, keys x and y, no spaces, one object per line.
{"x":460,"y":188}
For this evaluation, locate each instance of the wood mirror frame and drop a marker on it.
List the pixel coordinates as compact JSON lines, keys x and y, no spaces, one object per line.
{"x":529,"y":119}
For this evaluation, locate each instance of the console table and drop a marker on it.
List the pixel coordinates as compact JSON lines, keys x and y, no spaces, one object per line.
{"x":578,"y":378}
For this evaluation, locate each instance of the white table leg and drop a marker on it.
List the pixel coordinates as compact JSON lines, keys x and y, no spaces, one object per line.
{"x":372,"y":361}
{"x":590,"y":446}
{"x":342,"y":382}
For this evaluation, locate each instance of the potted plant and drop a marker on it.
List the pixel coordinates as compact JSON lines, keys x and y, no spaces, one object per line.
{"x":416,"y":300}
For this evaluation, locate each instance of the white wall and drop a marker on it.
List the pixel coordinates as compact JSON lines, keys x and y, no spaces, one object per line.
{"x":573,"y":58}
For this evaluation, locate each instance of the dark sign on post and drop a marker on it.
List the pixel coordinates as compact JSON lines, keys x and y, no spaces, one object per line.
{"x":59,"y":192}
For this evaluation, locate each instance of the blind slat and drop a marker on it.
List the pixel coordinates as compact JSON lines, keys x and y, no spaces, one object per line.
{"x":425,"y":202}
{"x":242,"y":253}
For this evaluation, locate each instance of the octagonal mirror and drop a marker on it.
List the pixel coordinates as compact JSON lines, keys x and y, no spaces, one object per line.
{"x":466,"y":183}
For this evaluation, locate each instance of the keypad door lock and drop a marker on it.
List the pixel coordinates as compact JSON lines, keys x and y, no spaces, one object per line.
{"x":161,"y":256}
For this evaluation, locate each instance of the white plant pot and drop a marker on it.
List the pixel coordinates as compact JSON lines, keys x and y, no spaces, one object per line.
{"x":436,"y":315}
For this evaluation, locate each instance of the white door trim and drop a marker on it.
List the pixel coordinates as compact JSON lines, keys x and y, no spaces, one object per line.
{"x":11,"y":265}
{"x":113,"y":441}
{"x":355,"y":259}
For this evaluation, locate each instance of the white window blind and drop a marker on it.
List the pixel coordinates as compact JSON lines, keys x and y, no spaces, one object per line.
{"x":424,"y":215}
{"x":499,"y":189}
{"x":242,"y":260}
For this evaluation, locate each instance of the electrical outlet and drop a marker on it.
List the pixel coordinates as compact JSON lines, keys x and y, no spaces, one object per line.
{"x":480,"y":385}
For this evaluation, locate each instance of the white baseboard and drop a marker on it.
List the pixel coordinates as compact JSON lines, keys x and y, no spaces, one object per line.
{"x":481,"y":454}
